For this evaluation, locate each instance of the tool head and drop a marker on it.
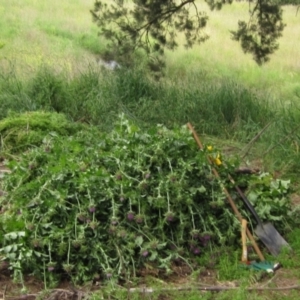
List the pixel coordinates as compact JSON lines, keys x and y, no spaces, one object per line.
{"x":271,"y":238}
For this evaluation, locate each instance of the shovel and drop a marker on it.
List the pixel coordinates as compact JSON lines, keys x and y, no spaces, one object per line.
{"x":230,"y":200}
{"x":258,"y":266}
{"x":266,"y":232}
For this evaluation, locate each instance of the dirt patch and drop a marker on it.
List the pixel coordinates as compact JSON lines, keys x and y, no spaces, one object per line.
{"x":295,"y":198}
{"x":180,"y":281}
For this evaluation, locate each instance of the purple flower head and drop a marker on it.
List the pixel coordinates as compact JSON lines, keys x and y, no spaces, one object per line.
{"x":92,"y":209}
{"x":172,"y":246}
{"x":154,"y":244}
{"x":139,"y":219}
{"x":173,"y":179}
{"x":30,"y":226}
{"x":145,"y":253}
{"x":196,"y":250}
{"x":76,"y":243}
{"x":108,"y":273}
{"x":130,"y":216}
{"x":47,"y":149}
{"x":114,"y":221}
{"x":122,"y":198}
{"x":51,"y":266}
{"x":143,"y":185}
{"x":147,"y":176}
{"x":31,"y":166}
{"x":205,"y":238}
{"x":122,"y":233}
{"x":193,"y":245}
{"x":169,"y":216}
{"x":83,"y":168}
{"x":170,"y":219}
{"x":112,"y":229}
{"x":36,"y":243}
{"x":119,"y":176}
{"x":81,"y":217}
{"x":195,"y":234}
{"x":93,"y":225}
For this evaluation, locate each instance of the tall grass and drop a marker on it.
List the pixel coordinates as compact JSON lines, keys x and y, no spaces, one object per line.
{"x":224,"y":108}
{"x":221,"y":109}
{"x":62,"y":34}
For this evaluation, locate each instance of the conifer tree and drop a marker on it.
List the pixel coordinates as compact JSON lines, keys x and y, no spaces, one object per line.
{"x":152,"y":26}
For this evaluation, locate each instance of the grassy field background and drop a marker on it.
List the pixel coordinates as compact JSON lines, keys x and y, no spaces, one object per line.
{"x":61,"y":34}
{"x":49,"y":56}
{"x":220,"y":56}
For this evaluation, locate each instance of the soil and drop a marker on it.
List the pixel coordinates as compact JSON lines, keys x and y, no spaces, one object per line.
{"x":181,"y":280}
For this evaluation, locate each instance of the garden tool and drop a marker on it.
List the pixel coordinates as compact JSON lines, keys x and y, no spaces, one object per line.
{"x":266,"y":232}
{"x":229,"y":198}
{"x":244,"y":242}
{"x":258,"y":266}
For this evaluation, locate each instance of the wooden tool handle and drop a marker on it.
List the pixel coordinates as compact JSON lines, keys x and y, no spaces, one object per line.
{"x":244,"y":241}
{"x":229,"y":198}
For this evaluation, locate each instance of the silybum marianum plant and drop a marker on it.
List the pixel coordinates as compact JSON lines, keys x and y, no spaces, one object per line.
{"x":102,"y":205}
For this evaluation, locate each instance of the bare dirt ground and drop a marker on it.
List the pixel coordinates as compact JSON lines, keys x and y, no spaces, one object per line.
{"x":282,"y":283}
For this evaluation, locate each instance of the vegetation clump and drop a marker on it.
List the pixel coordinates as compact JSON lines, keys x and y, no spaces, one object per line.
{"x":104,"y":207}
{"x":21,"y":131}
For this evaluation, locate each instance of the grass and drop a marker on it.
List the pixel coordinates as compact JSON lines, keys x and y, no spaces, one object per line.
{"x":63,"y":35}
{"x":221,"y":57}
{"x":226,"y":109}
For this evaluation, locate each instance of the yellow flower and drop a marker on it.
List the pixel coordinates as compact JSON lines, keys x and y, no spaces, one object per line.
{"x":218,"y":161}
{"x":209,"y":148}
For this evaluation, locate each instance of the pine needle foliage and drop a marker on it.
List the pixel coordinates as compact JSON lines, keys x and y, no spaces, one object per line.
{"x":152,"y":26}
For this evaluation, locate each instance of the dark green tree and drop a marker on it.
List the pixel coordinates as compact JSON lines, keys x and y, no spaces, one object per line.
{"x":151,"y":26}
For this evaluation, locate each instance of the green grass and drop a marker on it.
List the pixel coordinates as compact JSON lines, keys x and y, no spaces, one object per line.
{"x":221,"y":57}
{"x":62,"y":35}
{"x":225,"y":109}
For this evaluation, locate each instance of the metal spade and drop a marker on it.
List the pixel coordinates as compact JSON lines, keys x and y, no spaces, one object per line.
{"x":266,"y":232}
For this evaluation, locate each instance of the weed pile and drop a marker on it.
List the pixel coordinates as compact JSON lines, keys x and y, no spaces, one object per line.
{"x":19,"y":132}
{"x":103,"y":205}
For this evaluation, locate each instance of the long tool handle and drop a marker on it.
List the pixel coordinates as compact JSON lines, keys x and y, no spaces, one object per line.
{"x":230,"y":200}
{"x":244,"y":242}
{"x":246,"y":201}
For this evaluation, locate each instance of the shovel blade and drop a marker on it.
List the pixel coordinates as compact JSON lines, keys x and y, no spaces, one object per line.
{"x":271,"y":238}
